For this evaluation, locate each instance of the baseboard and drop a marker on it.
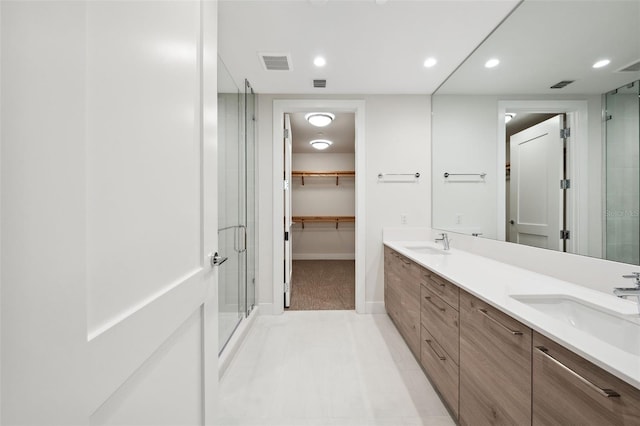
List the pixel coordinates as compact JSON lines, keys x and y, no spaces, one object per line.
{"x":324,"y":256}
{"x":375,"y":308}
{"x":235,"y":342}
{"x":266,"y":308}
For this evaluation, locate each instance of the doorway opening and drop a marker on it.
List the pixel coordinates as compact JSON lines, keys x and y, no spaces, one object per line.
{"x":320,"y":251}
{"x":283,"y":228}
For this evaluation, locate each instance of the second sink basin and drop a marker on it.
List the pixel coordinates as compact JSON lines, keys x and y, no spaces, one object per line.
{"x":619,"y":330}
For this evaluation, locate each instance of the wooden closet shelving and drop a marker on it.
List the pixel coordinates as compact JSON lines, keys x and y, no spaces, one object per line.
{"x":337,"y":174}
{"x":323,"y":219}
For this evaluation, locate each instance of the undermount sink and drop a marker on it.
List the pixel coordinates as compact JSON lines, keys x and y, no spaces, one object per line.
{"x":422,"y":249}
{"x":614,"y":328}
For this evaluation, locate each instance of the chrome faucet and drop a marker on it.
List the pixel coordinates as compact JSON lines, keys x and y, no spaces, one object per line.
{"x":445,"y":240}
{"x":629,"y":291}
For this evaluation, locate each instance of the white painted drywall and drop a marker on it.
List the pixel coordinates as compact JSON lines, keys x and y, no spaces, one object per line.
{"x":397,"y":129}
{"x":465,"y":135}
{"x":320,"y":196}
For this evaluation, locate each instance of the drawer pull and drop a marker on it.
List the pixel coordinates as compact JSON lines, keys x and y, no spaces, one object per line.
{"x":440,"y":357}
{"x":486,"y":314}
{"x":438,"y":307}
{"x":607,"y":393}
{"x":406,"y":262}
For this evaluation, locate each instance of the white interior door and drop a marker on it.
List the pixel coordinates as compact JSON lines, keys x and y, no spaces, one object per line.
{"x":536,"y":211}
{"x":288,"y":262}
{"x":109,"y":210}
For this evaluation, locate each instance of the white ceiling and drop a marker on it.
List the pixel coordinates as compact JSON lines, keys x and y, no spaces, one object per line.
{"x":544,"y":42}
{"x":370,"y":46}
{"x":341,"y":131}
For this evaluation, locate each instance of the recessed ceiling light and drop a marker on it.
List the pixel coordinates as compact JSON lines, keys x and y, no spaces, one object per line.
{"x":492,"y":63}
{"x":602,"y":63}
{"x":321,"y":144}
{"x":429,"y":62}
{"x":319,"y":61}
{"x":509,"y":116}
{"x":319,"y":119}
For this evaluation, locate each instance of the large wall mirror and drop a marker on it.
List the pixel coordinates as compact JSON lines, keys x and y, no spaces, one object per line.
{"x":503,"y":165}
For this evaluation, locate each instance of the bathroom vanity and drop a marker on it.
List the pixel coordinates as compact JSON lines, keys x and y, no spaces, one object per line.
{"x":497,"y":342}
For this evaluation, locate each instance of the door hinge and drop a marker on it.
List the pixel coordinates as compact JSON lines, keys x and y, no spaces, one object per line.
{"x":285,"y":184}
{"x":565,"y":133}
{"x":565,"y":184}
{"x":286,"y":236}
{"x":564,"y":234}
{"x":286,"y":286}
{"x":286,"y":133}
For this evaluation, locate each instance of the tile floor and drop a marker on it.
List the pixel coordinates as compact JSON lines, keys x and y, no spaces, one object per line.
{"x":327,"y":368}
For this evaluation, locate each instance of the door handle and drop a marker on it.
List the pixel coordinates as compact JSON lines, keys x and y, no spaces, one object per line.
{"x":512,"y":222}
{"x":216,"y":259}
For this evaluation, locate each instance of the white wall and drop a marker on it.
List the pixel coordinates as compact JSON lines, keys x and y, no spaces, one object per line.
{"x":320,"y":196}
{"x":397,"y":129}
{"x":465,"y":137}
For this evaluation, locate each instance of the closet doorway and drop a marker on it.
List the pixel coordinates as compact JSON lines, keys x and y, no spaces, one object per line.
{"x":282,"y":107}
{"x":319,"y":153}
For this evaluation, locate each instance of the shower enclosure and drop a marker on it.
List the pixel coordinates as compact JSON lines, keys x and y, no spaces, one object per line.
{"x":236,"y":203}
{"x":622,"y":215}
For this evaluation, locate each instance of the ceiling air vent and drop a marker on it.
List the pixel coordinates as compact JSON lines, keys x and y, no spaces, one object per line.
{"x":275,"y":61}
{"x":632,"y":67}
{"x":320,"y":83}
{"x":561,"y":84}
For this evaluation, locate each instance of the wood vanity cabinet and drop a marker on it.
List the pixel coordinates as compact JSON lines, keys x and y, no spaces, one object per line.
{"x":402,"y":297}
{"x":440,"y":336}
{"x":567,"y":389}
{"x":495,"y":366}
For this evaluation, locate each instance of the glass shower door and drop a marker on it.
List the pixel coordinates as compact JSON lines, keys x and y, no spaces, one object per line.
{"x":236,"y":203}
{"x":231,"y":206}
{"x":622,"y":237}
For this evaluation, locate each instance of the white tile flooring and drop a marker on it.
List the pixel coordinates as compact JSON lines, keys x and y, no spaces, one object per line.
{"x":327,"y":368}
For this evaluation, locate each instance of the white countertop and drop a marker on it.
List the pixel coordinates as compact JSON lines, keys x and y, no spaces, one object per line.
{"x":495,"y":282}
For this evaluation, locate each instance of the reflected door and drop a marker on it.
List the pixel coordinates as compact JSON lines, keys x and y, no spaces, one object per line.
{"x":537,"y":167}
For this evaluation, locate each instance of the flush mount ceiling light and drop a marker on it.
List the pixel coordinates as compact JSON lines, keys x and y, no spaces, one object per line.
{"x":601,"y":63}
{"x":429,"y":62}
{"x":319,"y":61}
{"x":319,"y":119}
{"x":509,"y":116}
{"x":321,"y":144}
{"x":492,"y":63}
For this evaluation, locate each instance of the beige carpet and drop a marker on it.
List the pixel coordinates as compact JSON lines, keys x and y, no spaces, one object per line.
{"x":323,"y":285}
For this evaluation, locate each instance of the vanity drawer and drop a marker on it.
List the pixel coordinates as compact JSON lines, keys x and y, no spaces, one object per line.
{"x":561,"y":394}
{"x":441,"y":370}
{"x":442,"y":322}
{"x":449,"y":292}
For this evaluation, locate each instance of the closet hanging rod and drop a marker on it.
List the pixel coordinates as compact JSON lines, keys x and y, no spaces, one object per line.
{"x":482,"y":175}
{"x":415,"y":175}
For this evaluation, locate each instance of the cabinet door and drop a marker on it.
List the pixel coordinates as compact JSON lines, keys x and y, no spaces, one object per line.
{"x":441,"y":369}
{"x":567,"y":389}
{"x":495,"y":366}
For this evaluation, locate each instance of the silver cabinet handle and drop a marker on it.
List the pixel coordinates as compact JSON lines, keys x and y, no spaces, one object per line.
{"x":433,"y":303}
{"x":216,"y":259}
{"x":440,"y":357}
{"x":486,"y":314}
{"x":607,"y":393}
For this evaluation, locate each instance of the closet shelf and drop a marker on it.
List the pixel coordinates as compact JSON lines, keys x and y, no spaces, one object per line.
{"x":337,"y":174}
{"x":323,"y":219}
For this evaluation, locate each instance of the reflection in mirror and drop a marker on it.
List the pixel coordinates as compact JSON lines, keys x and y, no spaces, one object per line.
{"x":574,"y":190}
